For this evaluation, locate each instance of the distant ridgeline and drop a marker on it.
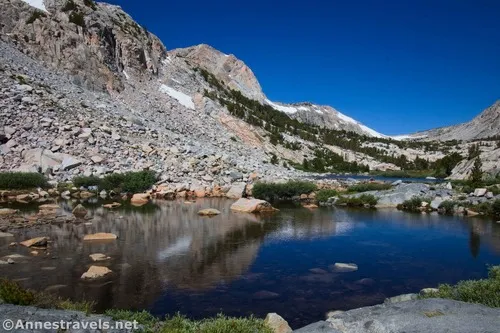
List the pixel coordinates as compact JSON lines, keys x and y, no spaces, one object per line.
{"x":276,"y":123}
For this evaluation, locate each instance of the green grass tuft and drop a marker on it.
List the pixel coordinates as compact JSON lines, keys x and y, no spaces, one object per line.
{"x":22,"y":180}
{"x":485,"y":291}
{"x":324,"y":195}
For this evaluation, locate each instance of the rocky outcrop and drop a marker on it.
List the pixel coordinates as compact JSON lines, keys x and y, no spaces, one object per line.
{"x":252,"y":206}
{"x":98,"y":43}
{"x":420,"y":316}
{"x":491,"y":165}
{"x":486,"y":124}
{"x":96,"y":272}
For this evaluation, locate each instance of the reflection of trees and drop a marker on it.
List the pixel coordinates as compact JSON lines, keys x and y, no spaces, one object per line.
{"x":474,"y":243}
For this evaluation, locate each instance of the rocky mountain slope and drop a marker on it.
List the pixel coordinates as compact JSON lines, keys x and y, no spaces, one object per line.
{"x":87,"y":90}
{"x":485,"y":125}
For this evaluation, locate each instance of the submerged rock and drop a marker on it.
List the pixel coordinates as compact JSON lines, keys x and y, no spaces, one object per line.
{"x":343,"y":268}
{"x":112,"y":205}
{"x":35,"y":242}
{"x":99,"y":257}
{"x":96,"y":272}
{"x":265,"y":294}
{"x":5,"y":234}
{"x":100,"y":236}
{"x":252,"y":206}
{"x":209,"y":212}
{"x":80,"y":211}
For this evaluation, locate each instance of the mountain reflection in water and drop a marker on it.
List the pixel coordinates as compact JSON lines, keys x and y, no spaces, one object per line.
{"x":169,"y":259}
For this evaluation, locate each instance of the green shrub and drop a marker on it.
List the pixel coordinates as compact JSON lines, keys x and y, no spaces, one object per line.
{"x":77,"y":18}
{"x":128,"y":182}
{"x":112,"y":182}
{"x":365,"y":187}
{"x":414,"y":204}
{"x":138,"y":181}
{"x":86,"y":181}
{"x":13,"y":293}
{"x":485,"y":291}
{"x":37,"y":14}
{"x":70,"y":5}
{"x":359,"y":201}
{"x":288,"y":190}
{"x":90,"y":3}
{"x":495,"y":208}
{"x":324,"y":195}
{"x":22,"y":180}
{"x":448,"y":207}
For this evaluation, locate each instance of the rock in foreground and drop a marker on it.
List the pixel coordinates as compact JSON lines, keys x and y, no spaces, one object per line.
{"x":35,"y":242}
{"x":277,"y":324}
{"x":96,"y":272}
{"x":252,"y":206}
{"x":420,"y":316}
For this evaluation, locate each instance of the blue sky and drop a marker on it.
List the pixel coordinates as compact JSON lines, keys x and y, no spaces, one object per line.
{"x":397,"y":66}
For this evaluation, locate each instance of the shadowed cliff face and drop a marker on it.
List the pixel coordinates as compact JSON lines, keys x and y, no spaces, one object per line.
{"x":97,"y":43}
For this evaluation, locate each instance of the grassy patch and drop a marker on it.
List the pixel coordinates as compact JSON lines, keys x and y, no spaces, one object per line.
{"x":324,"y":195}
{"x":12,"y":293}
{"x":360,"y":201}
{"x":485,"y":291}
{"x":21,"y":180}
{"x":365,"y":187}
{"x":181,"y":324}
{"x":288,"y":190}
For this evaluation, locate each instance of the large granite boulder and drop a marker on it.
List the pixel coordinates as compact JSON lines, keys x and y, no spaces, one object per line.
{"x":252,"y":206}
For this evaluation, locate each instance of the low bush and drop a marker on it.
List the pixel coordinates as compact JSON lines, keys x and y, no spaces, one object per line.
{"x":485,"y":291}
{"x":12,"y":293}
{"x":365,"y":187}
{"x":133,"y":182}
{"x":22,"y":180}
{"x":37,"y":14}
{"x":360,"y":201}
{"x":414,"y":204}
{"x":288,"y":190}
{"x":84,"y":181}
{"x":324,"y":195}
{"x":495,"y":208}
{"x":77,"y":18}
{"x":448,"y":207}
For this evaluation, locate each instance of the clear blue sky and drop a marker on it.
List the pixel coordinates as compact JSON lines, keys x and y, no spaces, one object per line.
{"x":397,"y":66}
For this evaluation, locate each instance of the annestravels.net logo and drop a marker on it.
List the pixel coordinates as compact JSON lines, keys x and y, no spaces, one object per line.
{"x":100,"y":324}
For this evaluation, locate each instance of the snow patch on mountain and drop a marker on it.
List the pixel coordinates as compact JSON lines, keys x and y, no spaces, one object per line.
{"x":37,"y":4}
{"x":181,"y":97}
{"x":282,"y":108}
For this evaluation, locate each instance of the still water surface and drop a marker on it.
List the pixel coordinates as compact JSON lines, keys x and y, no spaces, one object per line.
{"x":168,"y":259}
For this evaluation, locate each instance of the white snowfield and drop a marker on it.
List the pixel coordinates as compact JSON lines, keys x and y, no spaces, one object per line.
{"x":282,"y":108}
{"x":181,"y":97}
{"x":37,"y":4}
